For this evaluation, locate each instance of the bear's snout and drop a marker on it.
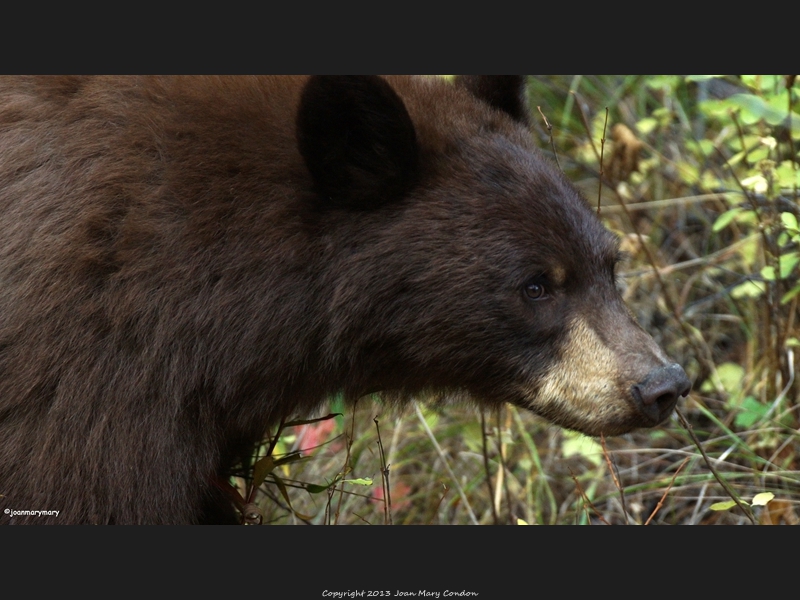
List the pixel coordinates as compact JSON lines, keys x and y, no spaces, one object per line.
{"x":656,"y":396}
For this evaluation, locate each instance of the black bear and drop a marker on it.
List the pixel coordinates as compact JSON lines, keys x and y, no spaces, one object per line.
{"x":187,"y":260}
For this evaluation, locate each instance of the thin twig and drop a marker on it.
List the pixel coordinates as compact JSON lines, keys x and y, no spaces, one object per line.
{"x":502,"y":452}
{"x":346,"y":467}
{"x":669,"y":487}
{"x":440,"y":452}
{"x":273,"y":441}
{"x":671,"y":305}
{"x":387,"y":498}
{"x":586,"y":501}
{"x":790,"y":79}
{"x":722,"y":482}
{"x":550,"y":132}
{"x":486,"y":469}
{"x":614,"y":475}
{"x":602,"y":172}
{"x":586,"y":126}
{"x":441,"y":499}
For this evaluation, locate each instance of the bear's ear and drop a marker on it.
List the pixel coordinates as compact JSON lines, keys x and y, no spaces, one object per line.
{"x":503,"y":92}
{"x":357,"y":139}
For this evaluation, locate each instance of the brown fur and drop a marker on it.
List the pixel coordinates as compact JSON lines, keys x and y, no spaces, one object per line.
{"x":186,"y":260}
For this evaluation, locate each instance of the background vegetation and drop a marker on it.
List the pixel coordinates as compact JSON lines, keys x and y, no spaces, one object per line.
{"x":699,"y":176}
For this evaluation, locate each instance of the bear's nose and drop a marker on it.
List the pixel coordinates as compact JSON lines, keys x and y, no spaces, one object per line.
{"x":656,"y":396}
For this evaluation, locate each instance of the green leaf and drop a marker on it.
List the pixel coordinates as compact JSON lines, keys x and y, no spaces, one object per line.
{"x":758,"y":154}
{"x":788,"y":262}
{"x":754,"y":108}
{"x":763,"y":83}
{"x":261,"y":469}
{"x":661,"y":81}
{"x":730,"y":376}
{"x":313,"y":488}
{"x":762,"y":499}
{"x":752,"y":411}
{"x":723,"y":505}
{"x":361,"y":481}
{"x":703,"y":77}
{"x":725,"y":219}
{"x":789,"y":221}
{"x":787,"y":297}
{"x":646,"y":125}
{"x":750,"y":247}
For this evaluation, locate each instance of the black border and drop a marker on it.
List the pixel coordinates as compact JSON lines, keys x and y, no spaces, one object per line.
{"x":497,"y":563}
{"x":361,"y":37}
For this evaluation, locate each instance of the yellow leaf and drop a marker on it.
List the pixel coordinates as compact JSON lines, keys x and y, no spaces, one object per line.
{"x":763,"y":498}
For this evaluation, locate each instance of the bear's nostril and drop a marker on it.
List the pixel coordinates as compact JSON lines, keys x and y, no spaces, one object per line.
{"x":656,"y":396}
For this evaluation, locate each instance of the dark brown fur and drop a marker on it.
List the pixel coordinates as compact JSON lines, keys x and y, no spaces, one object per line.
{"x":184,"y":261}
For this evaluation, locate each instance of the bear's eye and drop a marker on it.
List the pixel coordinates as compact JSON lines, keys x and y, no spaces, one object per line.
{"x":535,"y":289}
